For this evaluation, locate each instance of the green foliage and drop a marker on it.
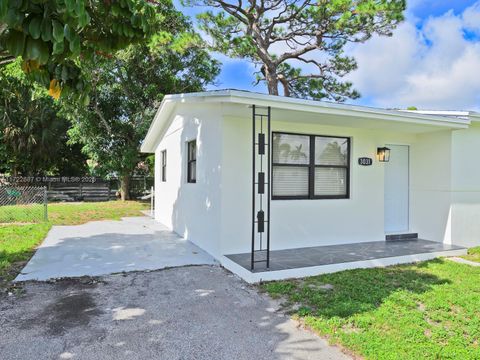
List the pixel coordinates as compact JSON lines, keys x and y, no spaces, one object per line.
{"x":473,"y":251}
{"x":150,"y":164}
{"x":473,"y":254}
{"x":422,"y":311}
{"x":126,"y":93}
{"x":127,"y":90}
{"x":33,"y":135}
{"x":277,"y":289}
{"x":54,"y":36}
{"x":412,"y":108}
{"x":282,"y":37}
{"x":17,"y":243}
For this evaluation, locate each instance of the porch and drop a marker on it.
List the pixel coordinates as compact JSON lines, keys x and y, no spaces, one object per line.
{"x":316,"y":260}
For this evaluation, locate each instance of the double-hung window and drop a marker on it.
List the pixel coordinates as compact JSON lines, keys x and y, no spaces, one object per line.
{"x":192,"y":161}
{"x":164,"y":165}
{"x":310,"y":166}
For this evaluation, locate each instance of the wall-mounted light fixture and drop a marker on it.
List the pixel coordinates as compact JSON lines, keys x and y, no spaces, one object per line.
{"x":383,"y":154}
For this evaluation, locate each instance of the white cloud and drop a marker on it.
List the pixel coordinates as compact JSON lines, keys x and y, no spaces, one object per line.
{"x":471,"y":17}
{"x":434,"y":66}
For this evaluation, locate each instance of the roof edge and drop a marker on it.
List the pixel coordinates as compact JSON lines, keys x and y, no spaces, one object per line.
{"x":240,"y":94}
{"x":454,"y":119}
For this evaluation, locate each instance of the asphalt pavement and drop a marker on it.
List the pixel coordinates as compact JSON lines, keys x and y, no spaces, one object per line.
{"x":193,"y":312}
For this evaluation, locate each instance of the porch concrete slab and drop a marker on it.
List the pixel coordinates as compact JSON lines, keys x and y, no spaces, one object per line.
{"x":343,"y":253}
{"x":106,"y":247}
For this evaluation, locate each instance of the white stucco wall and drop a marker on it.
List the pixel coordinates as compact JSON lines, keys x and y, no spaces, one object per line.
{"x":430,"y":185}
{"x":215,"y":213}
{"x":192,"y":210}
{"x":465,"y":211}
{"x":299,"y":223}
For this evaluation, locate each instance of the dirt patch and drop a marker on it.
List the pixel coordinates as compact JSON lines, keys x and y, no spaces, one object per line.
{"x":8,"y":274}
{"x":421,"y":307}
{"x":82,"y":282}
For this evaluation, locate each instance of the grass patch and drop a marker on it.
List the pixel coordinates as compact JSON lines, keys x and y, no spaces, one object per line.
{"x":32,"y":213}
{"x":18,"y":242}
{"x":473,"y":254}
{"x":71,"y":213}
{"x":428,"y":310}
{"x":80,"y":213}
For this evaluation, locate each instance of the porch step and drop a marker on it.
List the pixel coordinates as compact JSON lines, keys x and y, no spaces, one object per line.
{"x":400,"y":237}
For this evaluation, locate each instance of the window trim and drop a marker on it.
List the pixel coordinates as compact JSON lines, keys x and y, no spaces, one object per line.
{"x":164,"y":165}
{"x":311,"y":169}
{"x":191,"y":180}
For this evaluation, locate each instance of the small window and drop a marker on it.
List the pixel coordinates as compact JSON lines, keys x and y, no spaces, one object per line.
{"x":310,"y":166}
{"x":192,"y":161}
{"x":164,"y":165}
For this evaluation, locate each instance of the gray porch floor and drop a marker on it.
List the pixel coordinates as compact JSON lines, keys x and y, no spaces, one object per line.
{"x":336,"y":254}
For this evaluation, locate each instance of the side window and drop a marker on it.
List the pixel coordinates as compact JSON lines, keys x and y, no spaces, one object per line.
{"x":164,"y":165}
{"x":192,"y":161}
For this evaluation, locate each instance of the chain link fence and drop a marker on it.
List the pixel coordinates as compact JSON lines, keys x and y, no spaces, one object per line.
{"x":23,"y":204}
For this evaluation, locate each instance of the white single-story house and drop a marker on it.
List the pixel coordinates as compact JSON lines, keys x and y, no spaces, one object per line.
{"x":314,"y":186}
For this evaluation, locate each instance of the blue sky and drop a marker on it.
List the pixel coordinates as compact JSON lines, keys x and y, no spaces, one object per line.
{"x":432,"y":61}
{"x":424,"y":9}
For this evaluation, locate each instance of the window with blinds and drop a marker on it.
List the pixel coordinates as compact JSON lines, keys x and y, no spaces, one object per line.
{"x":164,"y":165}
{"x":192,"y":161}
{"x":310,"y":166}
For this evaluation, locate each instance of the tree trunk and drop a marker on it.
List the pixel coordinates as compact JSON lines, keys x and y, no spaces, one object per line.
{"x":272,"y":81}
{"x":124,"y":187}
{"x":286,"y":88}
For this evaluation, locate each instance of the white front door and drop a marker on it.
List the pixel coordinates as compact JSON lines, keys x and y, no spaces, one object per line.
{"x":397,"y":190}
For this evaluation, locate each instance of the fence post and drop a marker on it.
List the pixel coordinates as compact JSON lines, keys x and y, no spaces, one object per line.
{"x":152,"y":202}
{"x":45,"y":203}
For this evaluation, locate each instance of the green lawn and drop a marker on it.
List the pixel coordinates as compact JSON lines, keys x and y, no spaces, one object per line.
{"x":473,"y":254}
{"x":71,"y":213}
{"x":429,"y":310}
{"x":32,"y":213}
{"x":18,"y":242}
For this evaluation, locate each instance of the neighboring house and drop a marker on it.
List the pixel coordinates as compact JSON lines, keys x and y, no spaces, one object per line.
{"x":333,"y":199}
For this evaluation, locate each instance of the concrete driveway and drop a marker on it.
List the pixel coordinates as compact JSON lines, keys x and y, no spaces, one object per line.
{"x":106,"y":247}
{"x":199,"y":312}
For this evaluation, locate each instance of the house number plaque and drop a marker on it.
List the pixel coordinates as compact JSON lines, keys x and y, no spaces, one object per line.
{"x":365,"y":161}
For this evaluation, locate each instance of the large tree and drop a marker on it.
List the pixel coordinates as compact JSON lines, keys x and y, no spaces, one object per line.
{"x":54,"y":36}
{"x":126,"y":91}
{"x":33,"y":137}
{"x":298,"y":44}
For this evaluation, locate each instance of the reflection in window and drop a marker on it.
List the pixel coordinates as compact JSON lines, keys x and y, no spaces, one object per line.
{"x":192,"y":161}
{"x":297,"y":176}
